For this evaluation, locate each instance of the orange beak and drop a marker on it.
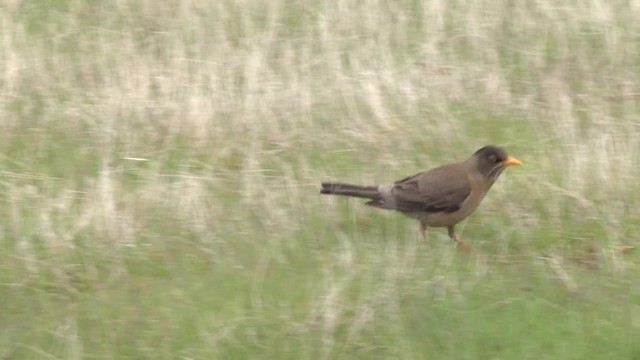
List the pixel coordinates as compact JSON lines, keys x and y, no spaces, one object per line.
{"x":511,"y":161}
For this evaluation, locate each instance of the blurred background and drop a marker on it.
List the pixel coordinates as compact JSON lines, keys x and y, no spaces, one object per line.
{"x":160,"y":165}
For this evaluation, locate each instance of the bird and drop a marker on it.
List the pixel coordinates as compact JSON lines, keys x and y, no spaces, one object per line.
{"x":439,"y":197}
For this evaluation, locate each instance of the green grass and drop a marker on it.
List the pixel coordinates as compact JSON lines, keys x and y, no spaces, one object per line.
{"x":160,"y":165}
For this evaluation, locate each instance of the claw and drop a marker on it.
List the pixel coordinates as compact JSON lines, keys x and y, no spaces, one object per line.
{"x":458,"y":241}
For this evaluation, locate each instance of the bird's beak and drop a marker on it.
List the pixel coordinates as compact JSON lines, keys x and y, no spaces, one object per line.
{"x":511,"y":161}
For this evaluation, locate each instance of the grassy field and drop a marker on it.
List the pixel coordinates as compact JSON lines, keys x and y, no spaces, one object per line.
{"x":160,"y":164}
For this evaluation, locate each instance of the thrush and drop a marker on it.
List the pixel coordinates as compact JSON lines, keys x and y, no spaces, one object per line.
{"x":439,"y":197}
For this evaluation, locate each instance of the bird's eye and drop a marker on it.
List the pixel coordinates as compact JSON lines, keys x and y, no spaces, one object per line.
{"x":493,"y":158}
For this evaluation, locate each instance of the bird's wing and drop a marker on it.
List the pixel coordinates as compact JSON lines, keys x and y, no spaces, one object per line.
{"x":436,"y":190}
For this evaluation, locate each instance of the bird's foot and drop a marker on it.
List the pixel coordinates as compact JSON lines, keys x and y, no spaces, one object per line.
{"x":462,"y":244}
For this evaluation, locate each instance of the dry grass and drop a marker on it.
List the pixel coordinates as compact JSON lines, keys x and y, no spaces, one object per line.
{"x":159,"y":164}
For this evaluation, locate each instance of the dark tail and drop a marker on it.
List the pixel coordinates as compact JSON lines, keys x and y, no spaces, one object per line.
{"x":369,"y":192}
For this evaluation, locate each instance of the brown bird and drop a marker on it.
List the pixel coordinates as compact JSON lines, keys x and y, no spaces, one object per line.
{"x":440,"y":197}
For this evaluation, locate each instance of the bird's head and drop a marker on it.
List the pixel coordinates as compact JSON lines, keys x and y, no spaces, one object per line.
{"x":491,"y":160}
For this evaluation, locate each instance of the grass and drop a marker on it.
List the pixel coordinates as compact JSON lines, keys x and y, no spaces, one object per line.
{"x":160,"y":164}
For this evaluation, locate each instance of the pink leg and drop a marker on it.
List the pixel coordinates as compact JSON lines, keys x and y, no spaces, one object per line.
{"x":454,"y":237}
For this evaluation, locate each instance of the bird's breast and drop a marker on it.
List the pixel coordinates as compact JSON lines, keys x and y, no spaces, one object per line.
{"x":468,"y":206}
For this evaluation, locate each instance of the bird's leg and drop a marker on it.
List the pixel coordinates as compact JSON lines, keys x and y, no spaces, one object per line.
{"x":423,"y":232}
{"x":454,"y":237}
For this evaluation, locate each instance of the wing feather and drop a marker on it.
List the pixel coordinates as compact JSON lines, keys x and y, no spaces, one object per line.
{"x":442,"y":189}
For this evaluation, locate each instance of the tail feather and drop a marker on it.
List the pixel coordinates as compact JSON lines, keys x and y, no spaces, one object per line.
{"x":368,"y":192}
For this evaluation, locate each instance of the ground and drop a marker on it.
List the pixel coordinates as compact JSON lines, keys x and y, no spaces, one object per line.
{"x":160,"y":166}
